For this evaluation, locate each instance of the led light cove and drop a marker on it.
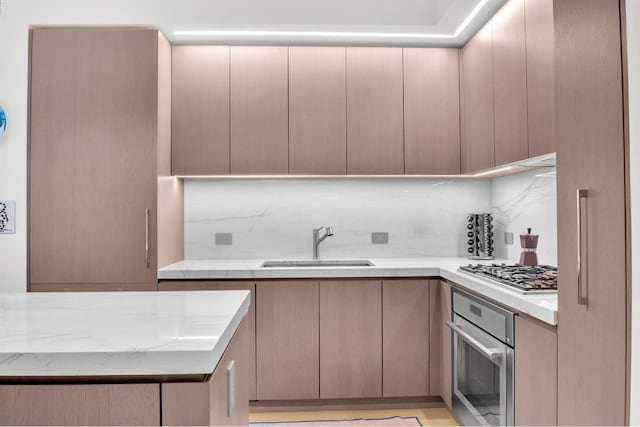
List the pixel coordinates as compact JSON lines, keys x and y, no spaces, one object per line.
{"x":259,"y":33}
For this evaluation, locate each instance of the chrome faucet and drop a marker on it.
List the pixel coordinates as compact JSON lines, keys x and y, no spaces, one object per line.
{"x":317,"y":239}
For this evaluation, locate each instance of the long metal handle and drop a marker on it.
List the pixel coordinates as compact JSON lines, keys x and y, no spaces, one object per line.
{"x":582,"y":299}
{"x":493,"y":354}
{"x":146,"y":235}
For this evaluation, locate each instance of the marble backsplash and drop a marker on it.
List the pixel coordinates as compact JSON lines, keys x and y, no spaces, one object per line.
{"x":273,"y":218}
{"x":521,"y":201}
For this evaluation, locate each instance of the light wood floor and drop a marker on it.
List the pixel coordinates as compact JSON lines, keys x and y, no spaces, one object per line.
{"x":427,"y":416}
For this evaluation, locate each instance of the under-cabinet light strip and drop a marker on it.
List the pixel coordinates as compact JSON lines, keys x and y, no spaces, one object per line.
{"x":266,"y":33}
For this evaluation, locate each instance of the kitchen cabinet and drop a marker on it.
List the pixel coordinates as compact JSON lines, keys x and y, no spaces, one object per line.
{"x":99,"y":159}
{"x":259,"y":110}
{"x":510,"y":83}
{"x":350,"y":339}
{"x":374,"y":111}
{"x":440,"y":340}
{"x":200,"y":110}
{"x":223,"y":400}
{"x":536,"y":373}
{"x":540,"y":76}
{"x":287,"y":336}
{"x":317,"y":111}
{"x":236,"y":285}
{"x":405,"y":338}
{"x":431,"y":111}
{"x":590,"y":107}
{"x":476,"y":98}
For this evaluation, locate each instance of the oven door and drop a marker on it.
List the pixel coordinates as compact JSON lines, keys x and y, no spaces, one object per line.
{"x":482,"y":376}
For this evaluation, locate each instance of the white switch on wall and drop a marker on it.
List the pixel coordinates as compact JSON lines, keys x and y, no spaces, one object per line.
{"x":7,"y":216}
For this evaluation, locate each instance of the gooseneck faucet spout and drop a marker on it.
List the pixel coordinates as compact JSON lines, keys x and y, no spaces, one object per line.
{"x":317,"y":239}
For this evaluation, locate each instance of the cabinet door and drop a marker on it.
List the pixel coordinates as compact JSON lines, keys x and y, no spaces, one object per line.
{"x":441,"y":341}
{"x":536,"y":373}
{"x":592,"y":337}
{"x":287,"y":340}
{"x":405,"y":338}
{"x":238,"y":285}
{"x":200,"y":110}
{"x":540,"y":76}
{"x":317,"y":111}
{"x":510,"y":83}
{"x":259,"y":110}
{"x":350,"y":339}
{"x":93,"y":156}
{"x":476,"y":78}
{"x":374,"y":111}
{"x":431,"y":111}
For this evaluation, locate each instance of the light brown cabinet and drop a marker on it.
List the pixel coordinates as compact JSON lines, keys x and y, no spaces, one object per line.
{"x":590,"y":108}
{"x":350,"y":339}
{"x":476,"y":98}
{"x":440,"y":340}
{"x":536,"y":373}
{"x":540,"y":76}
{"x":374,"y":111}
{"x":431,"y":111}
{"x":200,"y":110}
{"x":510,"y":83}
{"x":405,"y":338}
{"x":236,"y":285}
{"x":99,"y":156}
{"x":317,"y":111}
{"x":259,"y":110}
{"x":288,"y":325}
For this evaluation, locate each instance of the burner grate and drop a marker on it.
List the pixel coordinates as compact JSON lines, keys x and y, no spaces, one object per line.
{"x":522,"y":277}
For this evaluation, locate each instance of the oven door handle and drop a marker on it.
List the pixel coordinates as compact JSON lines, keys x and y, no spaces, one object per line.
{"x":494,"y":354}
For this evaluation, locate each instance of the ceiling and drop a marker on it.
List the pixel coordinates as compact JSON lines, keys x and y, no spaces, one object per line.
{"x":329,"y":22}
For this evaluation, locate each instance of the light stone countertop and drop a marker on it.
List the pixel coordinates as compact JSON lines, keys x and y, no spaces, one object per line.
{"x":117,"y":333}
{"x":541,"y":306}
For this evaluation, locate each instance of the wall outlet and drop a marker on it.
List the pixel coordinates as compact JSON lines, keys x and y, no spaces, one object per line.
{"x":508,"y":238}
{"x":379,"y":238}
{"x":224,"y":239}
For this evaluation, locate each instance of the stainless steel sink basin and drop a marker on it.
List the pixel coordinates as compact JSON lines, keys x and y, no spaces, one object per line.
{"x":319,"y":263}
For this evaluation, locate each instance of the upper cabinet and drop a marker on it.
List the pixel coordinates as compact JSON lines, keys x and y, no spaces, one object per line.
{"x":507,"y":87}
{"x":431,"y":111}
{"x":317,"y":111}
{"x":259,"y":110}
{"x":476,"y":66}
{"x":540,"y":76}
{"x":374,"y":111}
{"x":200,"y":105}
{"x":510,"y":83}
{"x":99,"y":159}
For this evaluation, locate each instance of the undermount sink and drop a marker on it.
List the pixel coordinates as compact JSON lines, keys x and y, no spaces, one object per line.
{"x":319,"y":263}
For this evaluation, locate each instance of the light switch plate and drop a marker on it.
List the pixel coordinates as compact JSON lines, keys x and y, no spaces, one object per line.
{"x":224,"y":238}
{"x":7,"y":217}
{"x":508,"y":238}
{"x":379,"y":238}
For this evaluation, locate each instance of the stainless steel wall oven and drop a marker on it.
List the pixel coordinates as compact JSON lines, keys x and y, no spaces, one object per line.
{"x":482,"y":365}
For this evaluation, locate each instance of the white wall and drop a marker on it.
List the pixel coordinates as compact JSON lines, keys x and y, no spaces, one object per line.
{"x":633,"y":55}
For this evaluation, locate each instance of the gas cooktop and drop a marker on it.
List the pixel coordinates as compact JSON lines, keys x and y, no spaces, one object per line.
{"x":538,"y":279}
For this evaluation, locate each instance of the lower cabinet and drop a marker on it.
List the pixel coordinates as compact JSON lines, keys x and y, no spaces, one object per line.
{"x":236,"y":285}
{"x":350,"y":339}
{"x":405,"y":338}
{"x":440,"y":340}
{"x":536,"y":373}
{"x":287,"y":347}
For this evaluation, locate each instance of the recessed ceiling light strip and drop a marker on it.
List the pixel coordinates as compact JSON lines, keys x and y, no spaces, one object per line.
{"x":263,"y":33}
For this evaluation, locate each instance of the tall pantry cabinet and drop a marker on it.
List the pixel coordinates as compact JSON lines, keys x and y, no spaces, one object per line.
{"x":100,"y":160}
{"x":592,"y":288}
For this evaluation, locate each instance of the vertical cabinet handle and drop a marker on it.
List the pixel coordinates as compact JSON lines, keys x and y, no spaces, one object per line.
{"x":582,"y":277}
{"x":146,"y":235}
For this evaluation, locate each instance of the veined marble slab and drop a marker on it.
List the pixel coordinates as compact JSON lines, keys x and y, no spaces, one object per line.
{"x":117,"y":333}
{"x":540,"y":306}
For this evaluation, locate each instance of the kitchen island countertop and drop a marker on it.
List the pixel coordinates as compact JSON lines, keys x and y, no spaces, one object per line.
{"x":117,"y":333}
{"x":541,"y":306}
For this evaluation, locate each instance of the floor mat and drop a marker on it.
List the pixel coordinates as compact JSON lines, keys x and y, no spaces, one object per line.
{"x":384,"y":422}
